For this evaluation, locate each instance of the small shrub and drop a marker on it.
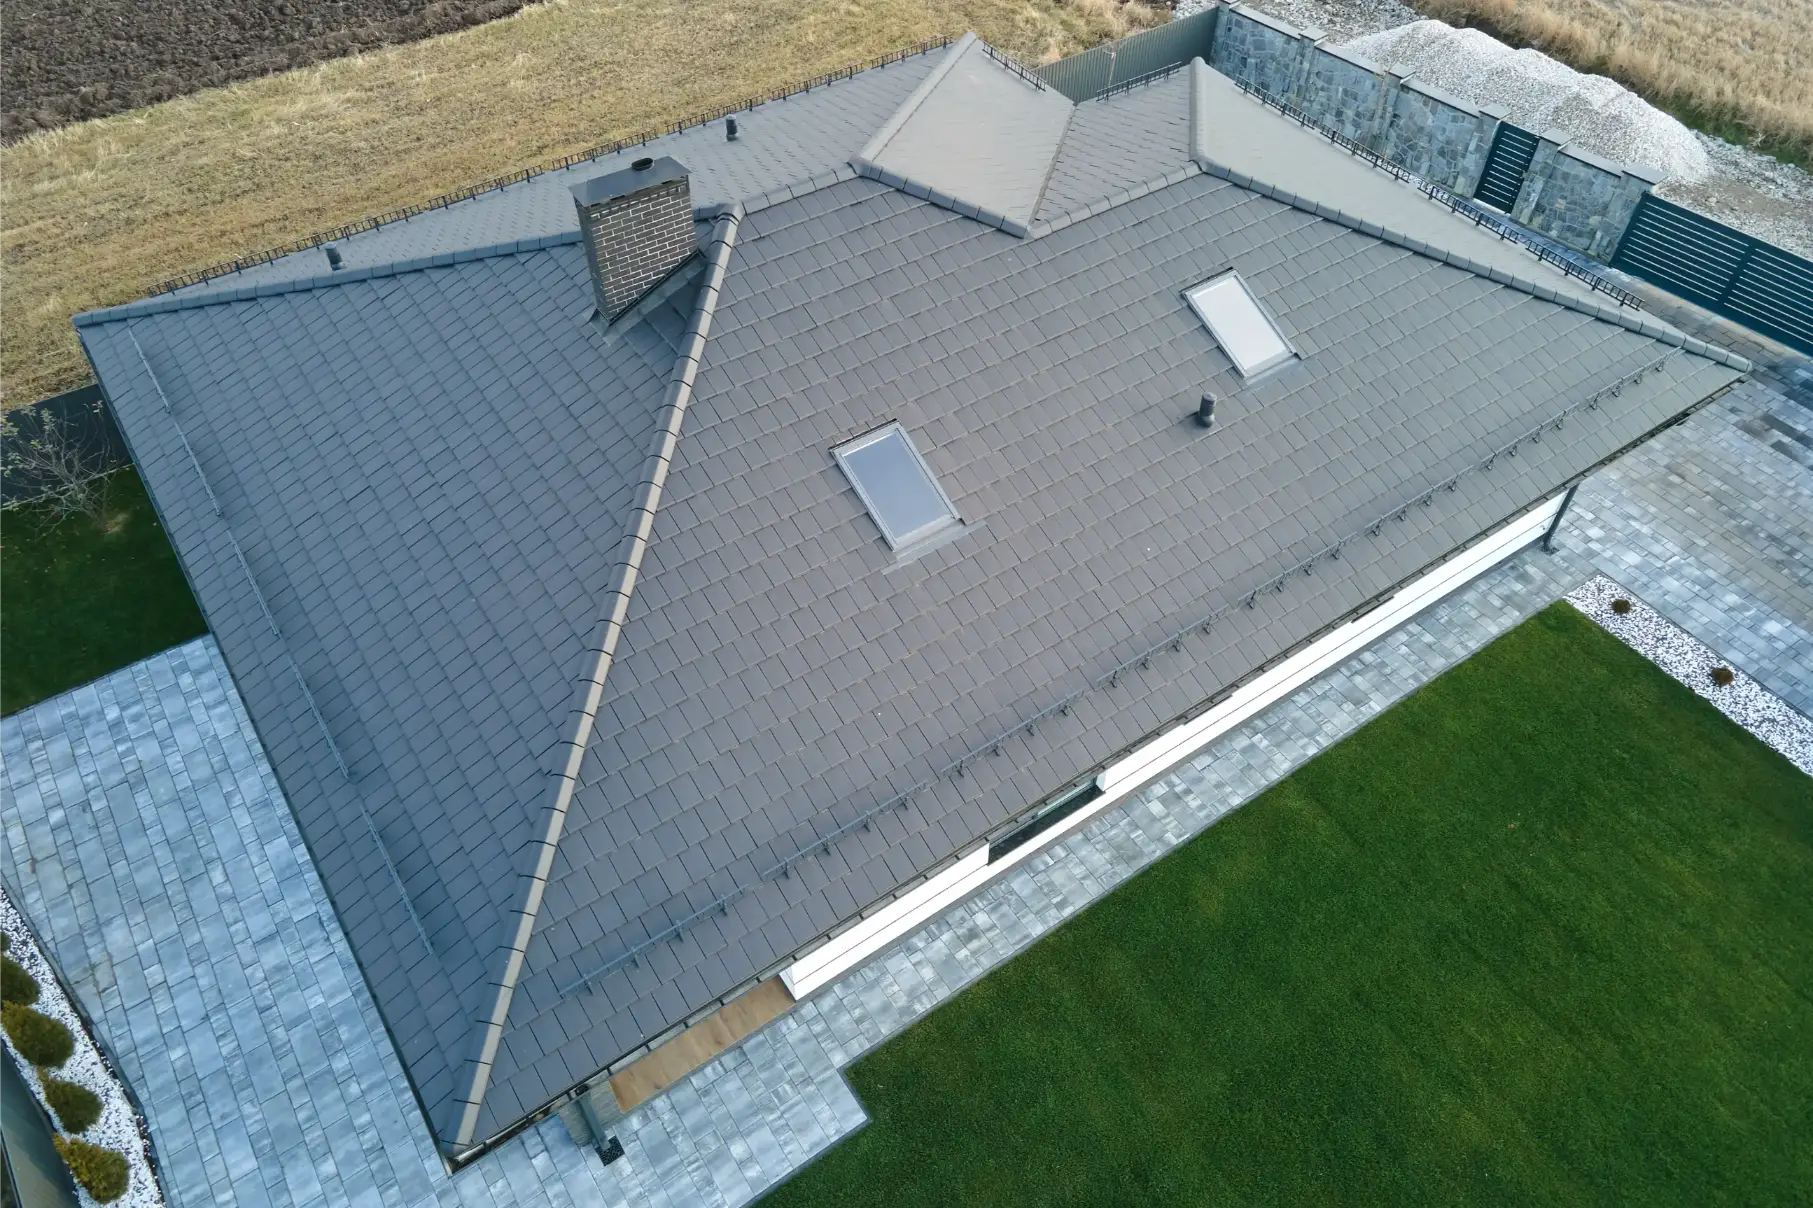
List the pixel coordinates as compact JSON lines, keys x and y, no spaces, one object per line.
{"x":102,"y":1171}
{"x":1722,"y":676}
{"x":16,"y":985}
{"x":76,"y":1106}
{"x":37,"y":1037}
{"x":1620,"y":606}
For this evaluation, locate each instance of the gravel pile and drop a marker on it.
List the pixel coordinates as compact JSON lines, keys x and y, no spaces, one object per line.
{"x":1684,"y":658}
{"x":1602,"y":115}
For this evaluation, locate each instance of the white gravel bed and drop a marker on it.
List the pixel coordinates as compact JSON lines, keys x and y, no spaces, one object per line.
{"x":1684,"y":658}
{"x":119,"y":1127}
{"x":1753,"y":192}
{"x":1603,"y":116}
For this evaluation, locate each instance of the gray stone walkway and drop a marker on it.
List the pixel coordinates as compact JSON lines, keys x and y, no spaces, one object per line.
{"x":146,"y":839}
{"x":149,"y":844}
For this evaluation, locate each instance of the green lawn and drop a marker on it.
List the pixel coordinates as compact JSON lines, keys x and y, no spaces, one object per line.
{"x":80,"y":599}
{"x":1541,"y":934}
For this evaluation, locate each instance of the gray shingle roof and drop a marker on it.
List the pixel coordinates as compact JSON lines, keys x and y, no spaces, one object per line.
{"x":940,"y":141}
{"x":1119,"y":143}
{"x":429,"y":475}
{"x":426,"y":475}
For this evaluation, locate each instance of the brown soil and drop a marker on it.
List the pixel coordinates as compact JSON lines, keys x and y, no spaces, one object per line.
{"x":67,"y":60}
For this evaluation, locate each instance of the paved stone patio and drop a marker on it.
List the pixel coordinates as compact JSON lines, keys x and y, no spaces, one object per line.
{"x":150,"y":846}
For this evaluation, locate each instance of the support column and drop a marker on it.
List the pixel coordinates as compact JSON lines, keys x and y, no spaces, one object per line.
{"x":1542,"y":166}
{"x":1485,"y":129}
{"x":1636,"y":181}
{"x":1301,"y":63}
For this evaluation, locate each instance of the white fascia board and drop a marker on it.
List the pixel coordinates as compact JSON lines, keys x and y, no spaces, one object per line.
{"x":1169,"y":749}
{"x":905,"y":913}
{"x":1120,"y":779}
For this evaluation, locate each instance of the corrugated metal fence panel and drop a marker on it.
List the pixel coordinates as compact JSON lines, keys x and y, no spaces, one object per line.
{"x":1725,"y":270}
{"x":1093,"y":72}
{"x":1506,"y":163}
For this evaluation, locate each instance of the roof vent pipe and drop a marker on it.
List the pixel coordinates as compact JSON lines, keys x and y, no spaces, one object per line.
{"x":637,"y":228}
{"x":730,"y":130}
{"x":1205,"y":412}
{"x":334,"y":259}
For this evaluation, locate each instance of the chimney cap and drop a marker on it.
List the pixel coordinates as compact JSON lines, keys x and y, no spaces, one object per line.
{"x":626,"y":181}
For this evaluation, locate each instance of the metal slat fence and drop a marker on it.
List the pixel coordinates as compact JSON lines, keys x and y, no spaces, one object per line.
{"x":1088,"y":75}
{"x":1506,"y":165}
{"x":1724,"y":270}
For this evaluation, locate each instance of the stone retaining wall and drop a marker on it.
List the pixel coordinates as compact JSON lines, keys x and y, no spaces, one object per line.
{"x":1575,"y":198}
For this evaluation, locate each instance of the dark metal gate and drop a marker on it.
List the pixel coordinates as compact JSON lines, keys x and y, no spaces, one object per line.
{"x":1741,"y":277}
{"x":1513,"y":148}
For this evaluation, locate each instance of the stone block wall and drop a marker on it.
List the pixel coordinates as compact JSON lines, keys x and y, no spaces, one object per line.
{"x":1346,"y":92}
{"x":1438,"y":137}
{"x":1577,"y":198}
{"x":1257,"y":49}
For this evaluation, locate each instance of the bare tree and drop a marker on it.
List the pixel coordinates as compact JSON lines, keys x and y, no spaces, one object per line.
{"x":52,"y":461}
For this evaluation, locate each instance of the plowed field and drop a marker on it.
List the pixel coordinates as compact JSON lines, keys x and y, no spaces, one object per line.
{"x":65,"y":60}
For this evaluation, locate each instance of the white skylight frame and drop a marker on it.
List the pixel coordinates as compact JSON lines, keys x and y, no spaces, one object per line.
{"x":1245,"y":330}
{"x":894,"y":436}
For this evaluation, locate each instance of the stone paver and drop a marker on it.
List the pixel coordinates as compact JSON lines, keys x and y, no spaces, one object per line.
{"x":146,"y":839}
{"x":157,"y":858}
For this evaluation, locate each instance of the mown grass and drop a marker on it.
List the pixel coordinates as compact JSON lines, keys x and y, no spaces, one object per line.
{"x":1541,"y":934}
{"x":1741,"y":70}
{"x":96,"y":213}
{"x":80,"y":598}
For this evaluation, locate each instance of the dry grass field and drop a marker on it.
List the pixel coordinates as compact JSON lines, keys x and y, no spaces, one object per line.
{"x":1741,"y":69}
{"x":95,"y":213}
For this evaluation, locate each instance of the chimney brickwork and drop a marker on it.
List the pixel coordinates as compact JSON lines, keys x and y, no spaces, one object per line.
{"x":638,"y":228}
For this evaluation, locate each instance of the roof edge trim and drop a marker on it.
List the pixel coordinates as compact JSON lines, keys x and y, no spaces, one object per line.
{"x":635,"y":543}
{"x":165,"y":303}
{"x":1101,"y":205}
{"x":925,"y":192}
{"x":1199,"y":109}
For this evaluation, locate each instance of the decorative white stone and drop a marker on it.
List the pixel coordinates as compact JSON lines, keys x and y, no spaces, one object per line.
{"x":119,"y":1127}
{"x":1690,"y":661}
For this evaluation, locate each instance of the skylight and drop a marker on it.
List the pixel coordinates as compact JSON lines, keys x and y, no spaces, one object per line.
{"x":896,"y":485}
{"x":1243,"y":330}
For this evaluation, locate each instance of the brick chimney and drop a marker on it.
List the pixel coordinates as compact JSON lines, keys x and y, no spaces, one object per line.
{"x":637,"y":227}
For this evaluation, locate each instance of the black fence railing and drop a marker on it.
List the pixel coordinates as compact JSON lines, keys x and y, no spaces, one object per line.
{"x":1139,"y":81}
{"x":1014,"y":65}
{"x":346,"y":230}
{"x":1571,"y":264}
